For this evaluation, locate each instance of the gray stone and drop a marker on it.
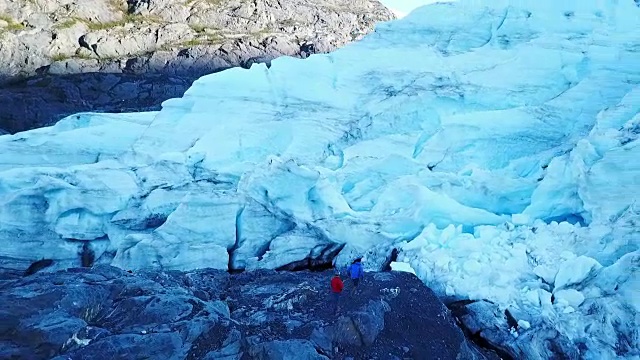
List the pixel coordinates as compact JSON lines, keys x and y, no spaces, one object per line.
{"x":323,"y":338}
{"x":370,"y":322}
{"x":104,"y":312}
{"x":295,"y":349}
{"x":231,"y":348}
{"x":153,"y":39}
{"x":131,"y":346}
{"x":486,"y":321}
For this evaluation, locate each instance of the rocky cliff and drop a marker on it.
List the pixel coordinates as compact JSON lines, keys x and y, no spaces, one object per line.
{"x":106,"y":312}
{"x":58,"y":57}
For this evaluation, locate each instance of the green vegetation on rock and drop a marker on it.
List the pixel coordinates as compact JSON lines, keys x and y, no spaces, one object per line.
{"x":128,"y":18}
{"x":59,"y":57}
{"x":11,"y":24}
{"x":198,"y":28}
{"x":208,"y":39}
{"x":66,"y":24}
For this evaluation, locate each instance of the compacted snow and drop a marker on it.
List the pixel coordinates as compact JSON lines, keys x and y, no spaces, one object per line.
{"x":495,"y":146}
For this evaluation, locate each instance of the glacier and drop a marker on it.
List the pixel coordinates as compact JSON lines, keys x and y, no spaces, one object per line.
{"x":493,"y":146}
{"x":403,"y":7}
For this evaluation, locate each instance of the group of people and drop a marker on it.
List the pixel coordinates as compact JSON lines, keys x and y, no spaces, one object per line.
{"x":355,"y":272}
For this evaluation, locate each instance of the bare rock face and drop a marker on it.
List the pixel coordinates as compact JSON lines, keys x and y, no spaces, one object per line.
{"x":105,"y":312}
{"x":162,"y":44}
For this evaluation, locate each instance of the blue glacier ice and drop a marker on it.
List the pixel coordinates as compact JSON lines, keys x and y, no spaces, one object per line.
{"x":495,"y":146}
{"x":403,"y":7}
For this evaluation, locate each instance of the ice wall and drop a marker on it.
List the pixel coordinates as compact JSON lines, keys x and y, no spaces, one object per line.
{"x":495,"y":146}
{"x":402,"y":8}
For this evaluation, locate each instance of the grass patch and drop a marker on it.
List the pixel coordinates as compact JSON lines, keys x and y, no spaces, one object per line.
{"x":15,"y":27}
{"x":59,"y":57}
{"x":128,"y":18}
{"x":215,"y":37}
{"x":194,"y":42}
{"x":102,"y":26}
{"x":209,"y":39}
{"x":11,"y":24}
{"x":66,"y":24}
{"x":85,"y":57}
{"x":118,"y":5}
{"x":62,"y":57}
{"x":198,"y":28}
{"x":263,"y":33}
{"x":153,"y":18}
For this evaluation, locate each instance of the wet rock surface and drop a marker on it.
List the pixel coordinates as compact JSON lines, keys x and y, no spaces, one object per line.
{"x":106,"y":312}
{"x":54,"y":55}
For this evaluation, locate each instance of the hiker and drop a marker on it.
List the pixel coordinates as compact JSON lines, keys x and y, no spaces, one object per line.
{"x":336,"y":290}
{"x":356,"y":272}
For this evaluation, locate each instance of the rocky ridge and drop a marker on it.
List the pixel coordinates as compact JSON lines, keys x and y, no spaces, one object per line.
{"x":105,"y":312}
{"x":65,"y":56}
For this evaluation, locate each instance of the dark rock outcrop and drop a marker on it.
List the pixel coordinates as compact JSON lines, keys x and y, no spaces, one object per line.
{"x":102,"y":312}
{"x":54,"y":55}
{"x":42,"y":100}
{"x":498,"y":330}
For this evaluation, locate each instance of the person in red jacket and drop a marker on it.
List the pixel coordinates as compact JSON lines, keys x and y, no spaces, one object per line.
{"x":336,"y":290}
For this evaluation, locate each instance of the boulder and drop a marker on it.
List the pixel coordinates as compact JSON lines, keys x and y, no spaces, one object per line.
{"x":295,"y":349}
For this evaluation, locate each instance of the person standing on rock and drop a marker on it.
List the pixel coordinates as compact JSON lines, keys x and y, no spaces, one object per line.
{"x":356,"y":272}
{"x":336,"y":291}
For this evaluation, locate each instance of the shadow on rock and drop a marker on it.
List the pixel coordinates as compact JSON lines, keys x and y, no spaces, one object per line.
{"x":105,"y":312}
{"x":43,"y":100}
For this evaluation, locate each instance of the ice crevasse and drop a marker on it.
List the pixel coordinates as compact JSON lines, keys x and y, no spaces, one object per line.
{"x":495,"y":146}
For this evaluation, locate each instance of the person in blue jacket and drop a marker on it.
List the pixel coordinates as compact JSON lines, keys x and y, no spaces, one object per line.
{"x":356,"y":272}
